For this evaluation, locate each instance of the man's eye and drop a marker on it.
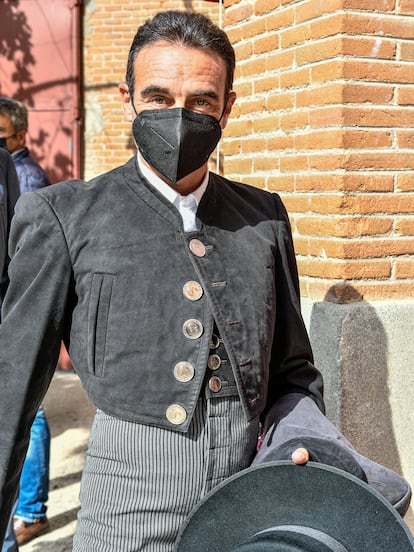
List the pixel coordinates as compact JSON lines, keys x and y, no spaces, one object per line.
{"x":158,"y":100}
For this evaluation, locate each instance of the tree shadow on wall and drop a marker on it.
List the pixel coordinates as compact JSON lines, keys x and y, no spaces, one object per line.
{"x":351,"y":348}
{"x":16,"y":48}
{"x":16,"y":45}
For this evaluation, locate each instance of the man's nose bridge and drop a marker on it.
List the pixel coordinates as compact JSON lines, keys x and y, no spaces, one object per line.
{"x":180,"y":102}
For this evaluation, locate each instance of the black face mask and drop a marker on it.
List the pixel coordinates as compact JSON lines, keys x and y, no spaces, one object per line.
{"x":175,"y":141}
{"x":3,"y":140}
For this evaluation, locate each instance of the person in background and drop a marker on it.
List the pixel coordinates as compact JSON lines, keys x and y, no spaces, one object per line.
{"x":9,"y":192}
{"x":30,"y":518}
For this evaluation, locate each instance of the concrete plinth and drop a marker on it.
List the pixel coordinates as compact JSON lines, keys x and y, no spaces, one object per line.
{"x":366,"y":354}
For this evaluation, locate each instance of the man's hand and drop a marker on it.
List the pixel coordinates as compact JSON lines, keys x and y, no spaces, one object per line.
{"x":300,"y":456}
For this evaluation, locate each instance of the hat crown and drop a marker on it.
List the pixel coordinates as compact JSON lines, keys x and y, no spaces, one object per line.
{"x":291,"y":538}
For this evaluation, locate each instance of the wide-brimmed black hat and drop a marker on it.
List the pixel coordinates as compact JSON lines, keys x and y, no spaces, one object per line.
{"x":283,"y":507}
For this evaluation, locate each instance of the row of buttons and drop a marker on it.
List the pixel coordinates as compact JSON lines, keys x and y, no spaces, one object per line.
{"x":192,"y":329}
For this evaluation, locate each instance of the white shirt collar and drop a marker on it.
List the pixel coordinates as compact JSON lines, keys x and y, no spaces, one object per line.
{"x":167,"y":191}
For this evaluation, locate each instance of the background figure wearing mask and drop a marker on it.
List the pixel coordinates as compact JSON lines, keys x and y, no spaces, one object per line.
{"x":30,"y":518}
{"x":9,"y":192}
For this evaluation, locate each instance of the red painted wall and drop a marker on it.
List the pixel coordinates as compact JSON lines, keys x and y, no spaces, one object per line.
{"x":40,"y":65}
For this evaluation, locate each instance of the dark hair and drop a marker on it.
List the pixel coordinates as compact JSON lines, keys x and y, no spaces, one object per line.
{"x":187,"y":29}
{"x":16,"y":111}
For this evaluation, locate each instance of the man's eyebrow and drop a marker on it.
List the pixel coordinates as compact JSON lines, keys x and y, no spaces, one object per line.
{"x":206,"y":93}
{"x":153,"y":89}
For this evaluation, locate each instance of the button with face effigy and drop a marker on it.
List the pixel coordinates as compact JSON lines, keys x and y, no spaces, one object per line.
{"x":192,"y":290}
{"x":214,"y":384}
{"x":197,"y":248}
{"x":176,"y":414}
{"x":214,"y":341}
{"x":184,"y":371}
{"x":193,"y":329}
{"x":214,"y":362}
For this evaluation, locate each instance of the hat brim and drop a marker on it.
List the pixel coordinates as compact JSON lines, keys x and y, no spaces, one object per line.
{"x":282,"y":493}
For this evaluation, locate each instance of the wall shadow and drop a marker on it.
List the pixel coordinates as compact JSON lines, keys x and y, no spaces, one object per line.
{"x":20,"y":79}
{"x":351,"y":348}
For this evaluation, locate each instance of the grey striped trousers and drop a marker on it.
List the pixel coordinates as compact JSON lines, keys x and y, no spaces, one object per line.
{"x":140,"y":482}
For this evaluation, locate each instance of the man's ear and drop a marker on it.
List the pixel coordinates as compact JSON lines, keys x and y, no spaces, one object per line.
{"x":227,"y":110}
{"x":21,"y":138}
{"x":129,"y":112}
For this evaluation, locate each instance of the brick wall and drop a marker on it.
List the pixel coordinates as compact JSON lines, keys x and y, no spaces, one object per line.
{"x":325,"y":116}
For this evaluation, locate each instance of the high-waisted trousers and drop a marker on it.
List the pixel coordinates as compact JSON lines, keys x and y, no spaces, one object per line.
{"x":140,"y":482}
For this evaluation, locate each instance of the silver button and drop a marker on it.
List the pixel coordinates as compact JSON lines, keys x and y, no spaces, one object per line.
{"x":214,"y":384}
{"x":214,"y":362}
{"x":193,"y":329}
{"x":176,"y":414}
{"x":184,"y":371}
{"x":215,"y":341}
{"x":197,"y":248}
{"x":192,"y":290}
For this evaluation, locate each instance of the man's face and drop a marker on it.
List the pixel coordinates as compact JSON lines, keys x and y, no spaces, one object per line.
{"x":14,"y":140}
{"x":170,"y":75}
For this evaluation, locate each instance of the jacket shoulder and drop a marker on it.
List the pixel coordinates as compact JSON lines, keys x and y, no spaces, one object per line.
{"x":263,"y":200}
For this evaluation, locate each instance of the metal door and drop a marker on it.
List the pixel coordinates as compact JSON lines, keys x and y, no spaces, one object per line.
{"x":40,"y":64}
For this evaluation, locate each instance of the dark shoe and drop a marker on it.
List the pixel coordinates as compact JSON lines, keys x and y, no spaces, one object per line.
{"x":26,"y":531}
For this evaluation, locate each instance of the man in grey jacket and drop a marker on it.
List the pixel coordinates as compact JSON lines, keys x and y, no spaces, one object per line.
{"x":9,"y":192}
{"x":177,"y":292}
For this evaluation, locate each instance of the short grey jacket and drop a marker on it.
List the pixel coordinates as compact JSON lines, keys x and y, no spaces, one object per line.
{"x":105,"y":264}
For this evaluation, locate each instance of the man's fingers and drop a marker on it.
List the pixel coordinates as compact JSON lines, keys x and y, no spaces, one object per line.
{"x":300,"y":456}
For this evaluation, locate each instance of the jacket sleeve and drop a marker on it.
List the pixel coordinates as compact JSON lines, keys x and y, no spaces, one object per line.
{"x":30,"y":333}
{"x":11,"y":194}
{"x":291,"y":366}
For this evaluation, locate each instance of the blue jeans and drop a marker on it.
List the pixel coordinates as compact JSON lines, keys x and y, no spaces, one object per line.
{"x":34,"y":481}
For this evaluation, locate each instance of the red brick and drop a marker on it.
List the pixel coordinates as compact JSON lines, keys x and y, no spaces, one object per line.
{"x":405,"y":182}
{"x":370,"y":5}
{"x":374,"y":70}
{"x":280,"y":19}
{"x":280,"y":60}
{"x":345,"y":227}
{"x":280,"y":142}
{"x":388,"y":25}
{"x":280,"y":183}
{"x":296,"y":120}
{"x":265,"y":6}
{"x":327,"y":93}
{"x":327,"y":71}
{"x":378,"y":117}
{"x":356,"y":291}
{"x":406,"y":95}
{"x":407,"y":51}
{"x":404,"y":226}
{"x":312,"y":9}
{"x":318,"y":51}
{"x":404,"y":268}
{"x":265,"y":163}
{"x":345,"y":270}
{"x":368,"y":93}
{"x":280,"y":100}
{"x":295,"y":77}
{"x":405,"y":138}
{"x":406,"y":7}
{"x":265,"y":43}
{"x":369,"y":47}
{"x":238,"y":13}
